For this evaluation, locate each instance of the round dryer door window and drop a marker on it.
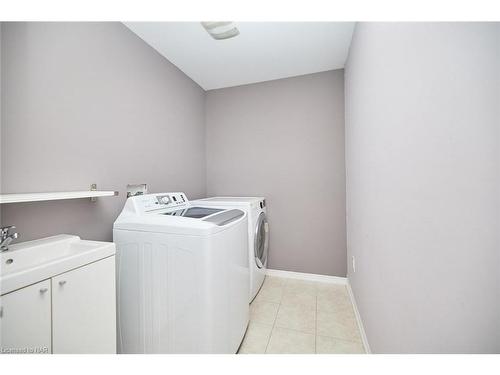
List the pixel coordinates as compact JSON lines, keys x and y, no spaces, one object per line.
{"x":261,"y":241}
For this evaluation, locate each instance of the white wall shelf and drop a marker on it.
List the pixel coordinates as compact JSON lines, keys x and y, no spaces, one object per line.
{"x":38,"y":197}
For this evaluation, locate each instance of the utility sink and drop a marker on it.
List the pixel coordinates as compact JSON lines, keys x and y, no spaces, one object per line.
{"x":33,"y":261}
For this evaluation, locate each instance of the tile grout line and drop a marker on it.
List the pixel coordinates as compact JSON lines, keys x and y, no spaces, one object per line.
{"x":316,"y":307}
{"x":315,"y":317}
{"x":274,"y":321}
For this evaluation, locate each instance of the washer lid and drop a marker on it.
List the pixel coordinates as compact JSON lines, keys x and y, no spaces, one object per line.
{"x":181,"y":225}
{"x":194,"y":212}
{"x":164,"y":214}
{"x":225,"y":217}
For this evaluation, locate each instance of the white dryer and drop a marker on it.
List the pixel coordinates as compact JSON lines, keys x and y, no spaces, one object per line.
{"x":182,"y":276}
{"x":258,"y":233}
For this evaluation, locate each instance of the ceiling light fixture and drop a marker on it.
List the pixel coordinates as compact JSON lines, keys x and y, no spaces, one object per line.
{"x":220,"y":30}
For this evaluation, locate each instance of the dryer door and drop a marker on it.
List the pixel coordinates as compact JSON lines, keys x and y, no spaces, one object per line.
{"x":261,"y":240}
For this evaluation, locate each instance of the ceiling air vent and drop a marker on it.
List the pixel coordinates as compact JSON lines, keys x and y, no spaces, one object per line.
{"x":221,"y":30}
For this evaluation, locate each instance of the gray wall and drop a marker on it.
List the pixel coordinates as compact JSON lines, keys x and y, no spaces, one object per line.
{"x":90,"y":103}
{"x":423,"y":183}
{"x":284,"y":140}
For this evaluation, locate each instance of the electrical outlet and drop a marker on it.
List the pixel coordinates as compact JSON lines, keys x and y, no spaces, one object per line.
{"x":353,"y":258}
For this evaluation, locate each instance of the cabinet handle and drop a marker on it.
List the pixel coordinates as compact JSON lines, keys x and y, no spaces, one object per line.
{"x":62,"y":282}
{"x":44,"y":290}
{"x":1,"y":311}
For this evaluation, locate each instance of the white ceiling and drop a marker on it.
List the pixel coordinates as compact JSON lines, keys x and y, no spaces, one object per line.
{"x":263,"y":51}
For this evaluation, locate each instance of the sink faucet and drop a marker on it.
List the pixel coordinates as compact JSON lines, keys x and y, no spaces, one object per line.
{"x":6,"y":237}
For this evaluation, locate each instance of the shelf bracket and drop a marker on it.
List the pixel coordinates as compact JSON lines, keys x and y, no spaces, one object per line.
{"x":93,"y":187}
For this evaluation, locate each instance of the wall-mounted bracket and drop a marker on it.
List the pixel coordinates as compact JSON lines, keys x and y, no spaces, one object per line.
{"x":93,"y":187}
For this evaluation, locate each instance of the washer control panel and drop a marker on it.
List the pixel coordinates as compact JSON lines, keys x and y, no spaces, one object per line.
{"x":171,"y":199}
{"x":152,"y":202}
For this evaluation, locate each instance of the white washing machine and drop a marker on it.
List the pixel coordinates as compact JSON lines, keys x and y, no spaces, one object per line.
{"x":258,"y":233}
{"x":182,"y":276}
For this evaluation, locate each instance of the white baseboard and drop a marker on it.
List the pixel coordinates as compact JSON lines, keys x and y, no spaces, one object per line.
{"x":307,"y":276}
{"x":358,"y":318}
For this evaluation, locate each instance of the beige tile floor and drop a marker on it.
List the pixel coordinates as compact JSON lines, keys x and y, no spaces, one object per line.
{"x":291,"y":316}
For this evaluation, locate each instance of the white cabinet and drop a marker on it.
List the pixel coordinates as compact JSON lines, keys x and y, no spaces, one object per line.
{"x":25,"y":315}
{"x":84,"y":309}
{"x":73,"y":312}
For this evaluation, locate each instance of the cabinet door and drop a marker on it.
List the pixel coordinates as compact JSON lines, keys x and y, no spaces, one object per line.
{"x":84,"y":309}
{"x":25,"y":320}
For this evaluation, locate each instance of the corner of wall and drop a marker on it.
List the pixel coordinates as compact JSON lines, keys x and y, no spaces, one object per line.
{"x":205,"y":98}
